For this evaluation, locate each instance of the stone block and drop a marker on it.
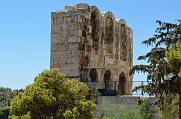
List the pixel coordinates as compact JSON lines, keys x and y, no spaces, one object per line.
{"x":72,"y":39}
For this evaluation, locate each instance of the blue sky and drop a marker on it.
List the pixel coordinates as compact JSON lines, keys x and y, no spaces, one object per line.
{"x":25,"y":31}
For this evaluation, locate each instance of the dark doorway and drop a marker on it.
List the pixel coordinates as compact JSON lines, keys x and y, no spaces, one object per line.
{"x":121,"y":84}
{"x":93,"y":75}
{"x":108,"y":85}
{"x":107,"y":78}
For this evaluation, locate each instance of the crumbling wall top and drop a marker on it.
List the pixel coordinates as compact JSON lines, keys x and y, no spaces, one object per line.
{"x":82,"y":6}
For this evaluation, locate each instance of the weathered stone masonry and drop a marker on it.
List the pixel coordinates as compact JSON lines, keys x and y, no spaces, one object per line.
{"x":93,"y":47}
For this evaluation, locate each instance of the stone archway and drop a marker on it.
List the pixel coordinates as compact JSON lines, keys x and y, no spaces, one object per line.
{"x":122,"y":84}
{"x":93,"y":75}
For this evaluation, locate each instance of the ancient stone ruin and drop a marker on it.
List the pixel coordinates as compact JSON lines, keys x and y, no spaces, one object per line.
{"x":92,"y":47}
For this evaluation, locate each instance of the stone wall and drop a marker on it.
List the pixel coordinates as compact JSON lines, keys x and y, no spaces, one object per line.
{"x":93,"y":47}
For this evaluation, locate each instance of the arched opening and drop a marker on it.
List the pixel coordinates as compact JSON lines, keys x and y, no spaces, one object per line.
{"x":107,"y":78}
{"x":121,"y":84}
{"x":109,"y":35}
{"x":95,"y":29}
{"x":109,"y":89}
{"x":95,"y":25}
{"x":93,"y":75}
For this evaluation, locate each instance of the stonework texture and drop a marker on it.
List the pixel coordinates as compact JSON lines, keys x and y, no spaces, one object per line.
{"x":92,"y":47}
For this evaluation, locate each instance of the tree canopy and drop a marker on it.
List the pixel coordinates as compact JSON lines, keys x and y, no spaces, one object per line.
{"x":52,"y":95}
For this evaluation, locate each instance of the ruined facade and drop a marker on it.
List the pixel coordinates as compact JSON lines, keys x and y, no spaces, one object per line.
{"x":92,"y":47}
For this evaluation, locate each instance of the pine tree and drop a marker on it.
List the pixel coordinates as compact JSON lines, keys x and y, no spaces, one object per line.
{"x":163,"y":78}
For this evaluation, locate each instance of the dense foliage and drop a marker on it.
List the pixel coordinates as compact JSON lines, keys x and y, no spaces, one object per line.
{"x":52,"y":95}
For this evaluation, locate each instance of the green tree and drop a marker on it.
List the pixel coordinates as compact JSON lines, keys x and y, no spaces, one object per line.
{"x":52,"y":95}
{"x":163,"y":79}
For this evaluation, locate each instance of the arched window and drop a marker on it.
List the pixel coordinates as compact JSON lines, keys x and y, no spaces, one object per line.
{"x":109,"y":35}
{"x":95,"y":29}
{"x":95,"y":25}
